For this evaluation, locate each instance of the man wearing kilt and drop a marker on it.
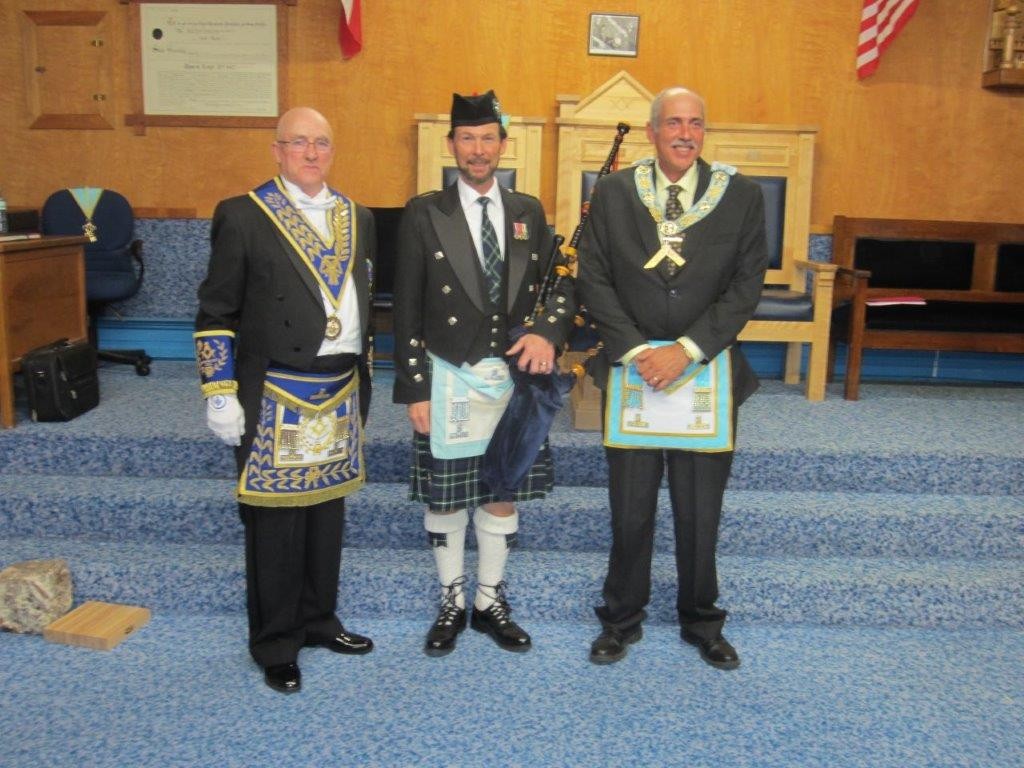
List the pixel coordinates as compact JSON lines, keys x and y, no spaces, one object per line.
{"x":471,"y":259}
{"x":283,"y":340}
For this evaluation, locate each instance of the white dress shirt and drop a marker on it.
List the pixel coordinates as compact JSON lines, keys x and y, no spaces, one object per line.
{"x":474,"y":214}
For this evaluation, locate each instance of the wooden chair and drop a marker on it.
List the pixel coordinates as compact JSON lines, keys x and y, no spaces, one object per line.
{"x":797,"y":303}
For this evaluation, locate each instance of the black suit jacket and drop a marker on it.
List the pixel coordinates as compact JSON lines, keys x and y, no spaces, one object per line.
{"x":440,"y":295}
{"x":260,"y":288}
{"x":710,"y":299}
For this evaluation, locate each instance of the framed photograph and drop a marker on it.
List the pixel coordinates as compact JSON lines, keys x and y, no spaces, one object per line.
{"x":613,"y":34}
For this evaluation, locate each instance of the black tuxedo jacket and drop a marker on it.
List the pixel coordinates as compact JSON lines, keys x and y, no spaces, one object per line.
{"x":710,"y":299}
{"x":260,"y":288}
{"x":440,"y":294}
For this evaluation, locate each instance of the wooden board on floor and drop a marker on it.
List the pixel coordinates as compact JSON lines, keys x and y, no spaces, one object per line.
{"x":97,"y":625}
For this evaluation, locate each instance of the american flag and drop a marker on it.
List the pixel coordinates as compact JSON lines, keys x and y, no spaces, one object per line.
{"x":350,"y":28}
{"x":880,"y":22}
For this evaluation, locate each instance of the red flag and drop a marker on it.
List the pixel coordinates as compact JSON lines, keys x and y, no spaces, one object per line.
{"x":880,"y":22}
{"x":350,"y":28}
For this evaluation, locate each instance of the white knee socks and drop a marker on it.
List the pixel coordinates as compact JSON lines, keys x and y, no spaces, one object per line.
{"x":494,"y":537}
{"x":447,"y":532}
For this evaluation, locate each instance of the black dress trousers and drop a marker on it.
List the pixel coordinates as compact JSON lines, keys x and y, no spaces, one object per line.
{"x":292,"y":562}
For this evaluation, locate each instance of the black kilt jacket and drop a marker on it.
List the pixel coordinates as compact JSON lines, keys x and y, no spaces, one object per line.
{"x":440,"y":295}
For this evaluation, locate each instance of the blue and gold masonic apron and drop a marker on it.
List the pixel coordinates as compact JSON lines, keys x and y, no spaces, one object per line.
{"x":308,"y":446}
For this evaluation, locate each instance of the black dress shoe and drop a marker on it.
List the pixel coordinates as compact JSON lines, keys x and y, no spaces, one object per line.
{"x":345,"y":642}
{"x":496,"y":622}
{"x":285,"y":678}
{"x":717,"y":651}
{"x":451,"y":620}
{"x":611,"y":645}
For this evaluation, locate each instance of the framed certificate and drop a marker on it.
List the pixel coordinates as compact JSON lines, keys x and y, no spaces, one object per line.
{"x":209,"y":64}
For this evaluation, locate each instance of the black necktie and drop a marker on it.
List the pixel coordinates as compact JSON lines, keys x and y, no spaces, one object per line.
{"x":673,"y":210}
{"x":491,"y":253}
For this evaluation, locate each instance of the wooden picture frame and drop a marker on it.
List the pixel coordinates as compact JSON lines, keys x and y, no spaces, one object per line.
{"x":198,"y":69}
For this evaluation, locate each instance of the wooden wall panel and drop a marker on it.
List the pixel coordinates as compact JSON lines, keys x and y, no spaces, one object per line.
{"x":919,"y":139}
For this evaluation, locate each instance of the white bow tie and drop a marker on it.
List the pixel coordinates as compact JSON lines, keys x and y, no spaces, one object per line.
{"x":306,"y":203}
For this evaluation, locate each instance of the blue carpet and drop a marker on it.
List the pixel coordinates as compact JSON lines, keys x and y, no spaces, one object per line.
{"x":872,"y":562}
{"x":182,"y":692}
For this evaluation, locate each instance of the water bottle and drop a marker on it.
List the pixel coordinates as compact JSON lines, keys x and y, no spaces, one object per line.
{"x":3,"y":214}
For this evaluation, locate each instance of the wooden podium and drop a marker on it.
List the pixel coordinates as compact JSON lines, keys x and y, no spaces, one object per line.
{"x":42,"y":299}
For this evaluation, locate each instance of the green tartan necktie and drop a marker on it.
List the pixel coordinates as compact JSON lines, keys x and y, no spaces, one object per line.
{"x":491,"y":253}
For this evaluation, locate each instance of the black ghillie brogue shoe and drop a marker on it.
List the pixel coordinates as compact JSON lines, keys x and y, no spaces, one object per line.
{"x":496,"y":622}
{"x":450,"y":622}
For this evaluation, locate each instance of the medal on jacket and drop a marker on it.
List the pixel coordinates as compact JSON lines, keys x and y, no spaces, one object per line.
{"x":333,"y":328}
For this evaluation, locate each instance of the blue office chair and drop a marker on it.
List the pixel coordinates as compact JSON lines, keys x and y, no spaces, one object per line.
{"x":113,"y":260}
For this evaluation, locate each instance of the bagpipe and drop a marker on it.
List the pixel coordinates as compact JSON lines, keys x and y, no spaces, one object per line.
{"x":563,"y":262}
{"x":537,"y":397}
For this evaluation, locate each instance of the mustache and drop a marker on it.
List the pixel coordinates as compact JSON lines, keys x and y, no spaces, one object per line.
{"x":683,"y":144}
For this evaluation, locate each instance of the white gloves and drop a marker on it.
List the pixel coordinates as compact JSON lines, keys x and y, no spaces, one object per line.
{"x":225,"y":418}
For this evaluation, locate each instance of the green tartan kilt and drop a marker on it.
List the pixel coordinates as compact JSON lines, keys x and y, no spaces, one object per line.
{"x":450,"y":484}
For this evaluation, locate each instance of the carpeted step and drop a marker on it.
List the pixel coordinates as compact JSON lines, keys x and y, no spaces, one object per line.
{"x":564,"y":586}
{"x":380,"y":515}
{"x":900,"y":440}
{"x":387,"y":461}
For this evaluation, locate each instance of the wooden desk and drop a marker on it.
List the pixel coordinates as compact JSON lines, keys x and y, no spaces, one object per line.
{"x":42,"y":299}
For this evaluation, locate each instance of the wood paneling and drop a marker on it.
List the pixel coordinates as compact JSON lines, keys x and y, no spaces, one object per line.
{"x":919,"y":139}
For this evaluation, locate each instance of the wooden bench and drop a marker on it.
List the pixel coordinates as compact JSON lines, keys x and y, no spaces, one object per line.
{"x":969,"y":274}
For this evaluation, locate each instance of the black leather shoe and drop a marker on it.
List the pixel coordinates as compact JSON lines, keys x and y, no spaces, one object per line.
{"x":717,"y":652}
{"x":496,"y":622}
{"x":450,"y":622}
{"x":611,"y":645}
{"x":284,"y":678}
{"x":345,"y":642}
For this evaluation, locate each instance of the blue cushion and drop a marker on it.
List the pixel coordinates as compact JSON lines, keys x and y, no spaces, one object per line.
{"x":779,"y":304}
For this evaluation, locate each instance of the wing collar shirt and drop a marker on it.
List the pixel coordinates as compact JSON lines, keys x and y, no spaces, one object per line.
{"x":316,"y":210}
{"x":468,"y":197}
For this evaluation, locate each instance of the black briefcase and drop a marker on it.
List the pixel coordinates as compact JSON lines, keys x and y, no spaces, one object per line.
{"x":61,"y":380}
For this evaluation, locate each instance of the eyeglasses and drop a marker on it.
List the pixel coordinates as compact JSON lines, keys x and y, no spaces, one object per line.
{"x":302,"y":144}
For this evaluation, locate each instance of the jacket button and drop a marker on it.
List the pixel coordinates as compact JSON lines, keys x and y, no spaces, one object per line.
{"x":452,"y":320}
